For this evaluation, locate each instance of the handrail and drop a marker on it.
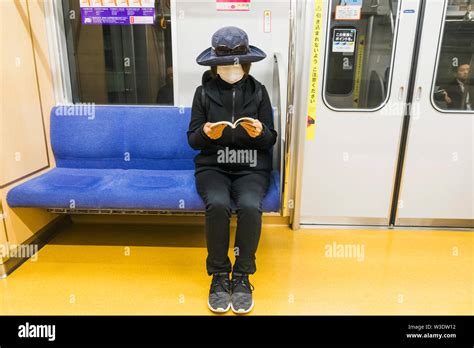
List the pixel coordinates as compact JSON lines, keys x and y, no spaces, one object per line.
{"x":279,"y":87}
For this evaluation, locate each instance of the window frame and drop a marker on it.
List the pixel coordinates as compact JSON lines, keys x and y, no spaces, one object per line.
{"x":436,"y":66}
{"x":325,"y":67}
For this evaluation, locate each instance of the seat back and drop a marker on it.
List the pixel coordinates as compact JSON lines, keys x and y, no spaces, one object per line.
{"x":121,"y":137}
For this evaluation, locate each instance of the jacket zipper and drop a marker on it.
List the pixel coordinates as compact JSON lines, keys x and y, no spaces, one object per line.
{"x":233,"y":111}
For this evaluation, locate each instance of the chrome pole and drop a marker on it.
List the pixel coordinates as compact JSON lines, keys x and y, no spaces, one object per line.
{"x":289,"y":109}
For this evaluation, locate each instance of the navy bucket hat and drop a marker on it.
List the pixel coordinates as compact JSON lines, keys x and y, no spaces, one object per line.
{"x":229,"y":43}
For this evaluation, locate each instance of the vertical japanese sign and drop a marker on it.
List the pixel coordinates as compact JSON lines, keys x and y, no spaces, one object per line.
{"x":121,"y":12}
{"x":314,"y":70}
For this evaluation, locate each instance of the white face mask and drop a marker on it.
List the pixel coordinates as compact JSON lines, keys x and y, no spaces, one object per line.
{"x":230,"y":73}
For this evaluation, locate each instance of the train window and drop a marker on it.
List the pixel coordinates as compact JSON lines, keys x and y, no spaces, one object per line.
{"x":359,"y":53}
{"x":119,"y":63}
{"x":453,"y":88}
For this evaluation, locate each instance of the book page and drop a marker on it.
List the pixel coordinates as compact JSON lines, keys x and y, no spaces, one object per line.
{"x":235,"y":124}
{"x":223,"y":123}
{"x":245,"y":119}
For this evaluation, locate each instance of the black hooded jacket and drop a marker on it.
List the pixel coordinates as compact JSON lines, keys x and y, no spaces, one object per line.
{"x":229,"y":102}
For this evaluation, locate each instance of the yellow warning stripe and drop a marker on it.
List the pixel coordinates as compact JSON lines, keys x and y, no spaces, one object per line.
{"x":358,"y":72}
{"x":313,"y":86}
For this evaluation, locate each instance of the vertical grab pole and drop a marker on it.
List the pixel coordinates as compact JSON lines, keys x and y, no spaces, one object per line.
{"x":289,"y":110}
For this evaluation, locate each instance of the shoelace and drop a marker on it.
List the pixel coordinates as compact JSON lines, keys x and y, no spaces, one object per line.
{"x":242,"y":280}
{"x":221,"y":282}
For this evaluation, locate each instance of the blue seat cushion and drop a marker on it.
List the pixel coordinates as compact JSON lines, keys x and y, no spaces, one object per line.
{"x":73,"y":188}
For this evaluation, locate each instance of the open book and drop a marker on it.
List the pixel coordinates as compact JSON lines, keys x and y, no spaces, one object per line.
{"x":236,"y":123}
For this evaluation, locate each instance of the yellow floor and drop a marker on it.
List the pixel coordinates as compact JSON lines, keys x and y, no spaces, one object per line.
{"x":137,"y":269}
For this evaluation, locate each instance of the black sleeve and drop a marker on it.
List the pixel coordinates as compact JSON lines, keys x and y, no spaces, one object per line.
{"x":439,"y":96}
{"x":197,"y":139}
{"x":268,"y":137}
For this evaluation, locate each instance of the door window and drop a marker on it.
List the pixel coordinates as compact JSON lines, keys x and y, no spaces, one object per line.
{"x":453,"y":88}
{"x":359,"y":53}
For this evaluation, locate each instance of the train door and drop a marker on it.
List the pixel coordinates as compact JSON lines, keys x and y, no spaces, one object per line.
{"x":437,"y":181}
{"x":352,"y":140}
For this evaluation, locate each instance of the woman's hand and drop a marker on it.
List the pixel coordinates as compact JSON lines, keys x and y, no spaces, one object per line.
{"x":254,"y":129}
{"x":213,"y":132}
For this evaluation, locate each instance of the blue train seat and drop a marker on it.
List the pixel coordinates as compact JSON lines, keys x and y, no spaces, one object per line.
{"x":121,"y":158}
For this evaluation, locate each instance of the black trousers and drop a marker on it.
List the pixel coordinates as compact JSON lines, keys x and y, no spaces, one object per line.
{"x":247,"y":191}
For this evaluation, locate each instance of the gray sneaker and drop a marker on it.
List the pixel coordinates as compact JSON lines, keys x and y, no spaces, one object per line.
{"x":241,"y":299}
{"x":219,"y":294}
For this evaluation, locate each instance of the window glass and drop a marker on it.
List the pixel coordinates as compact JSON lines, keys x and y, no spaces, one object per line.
{"x":359,"y":53}
{"x":120,"y":63}
{"x":454,"y":89}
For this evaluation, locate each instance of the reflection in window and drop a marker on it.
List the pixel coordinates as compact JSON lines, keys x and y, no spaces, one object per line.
{"x":120,"y":64}
{"x":454,"y":88}
{"x":359,"y":53}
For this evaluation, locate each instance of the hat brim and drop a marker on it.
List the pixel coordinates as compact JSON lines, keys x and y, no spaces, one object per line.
{"x":209,"y":58}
